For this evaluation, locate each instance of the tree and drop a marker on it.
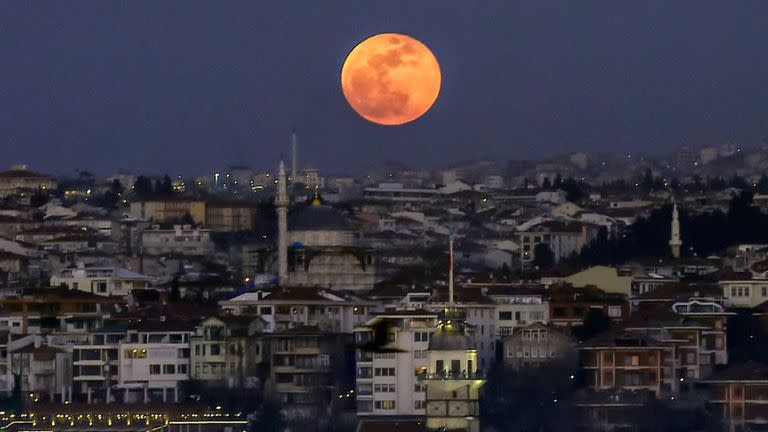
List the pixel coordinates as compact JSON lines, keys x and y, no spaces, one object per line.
{"x":175,"y":291}
{"x":142,"y":187}
{"x":573,"y":190}
{"x":164,"y":188}
{"x":546,"y":184}
{"x":595,"y":323}
{"x":543,"y":257}
{"x":269,"y":416}
{"x":532,"y":399}
{"x":558,"y":181}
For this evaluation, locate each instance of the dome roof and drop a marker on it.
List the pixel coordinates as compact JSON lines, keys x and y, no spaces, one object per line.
{"x":318,"y":218}
{"x":450,"y":334}
{"x":450,"y":341}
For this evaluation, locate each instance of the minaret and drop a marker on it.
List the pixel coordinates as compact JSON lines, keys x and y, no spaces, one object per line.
{"x":674,"y":241}
{"x":293,"y":157}
{"x":281,"y":202}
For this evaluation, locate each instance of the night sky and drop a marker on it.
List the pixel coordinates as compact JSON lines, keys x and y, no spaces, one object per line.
{"x":190,"y":86}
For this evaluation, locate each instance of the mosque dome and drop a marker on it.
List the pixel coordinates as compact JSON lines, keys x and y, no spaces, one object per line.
{"x":318,"y":217}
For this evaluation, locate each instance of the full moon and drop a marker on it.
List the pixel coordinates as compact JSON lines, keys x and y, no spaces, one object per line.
{"x":391,"y":79}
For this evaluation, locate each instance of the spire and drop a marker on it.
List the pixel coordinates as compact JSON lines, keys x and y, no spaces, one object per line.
{"x":674,"y":241}
{"x":281,"y":202}
{"x":294,"y":144}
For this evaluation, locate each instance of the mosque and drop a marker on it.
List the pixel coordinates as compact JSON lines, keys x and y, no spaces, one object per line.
{"x":317,"y":246}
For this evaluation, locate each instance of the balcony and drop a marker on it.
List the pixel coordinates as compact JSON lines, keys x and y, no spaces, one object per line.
{"x":450,"y":375}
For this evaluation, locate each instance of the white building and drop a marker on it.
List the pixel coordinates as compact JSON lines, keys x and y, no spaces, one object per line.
{"x":386,"y":381}
{"x":287,"y":307}
{"x":152,"y":361}
{"x":398,"y":192}
{"x":182,"y":239}
{"x":104,"y":281}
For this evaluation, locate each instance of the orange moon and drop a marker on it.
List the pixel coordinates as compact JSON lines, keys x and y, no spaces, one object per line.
{"x":391,"y":79}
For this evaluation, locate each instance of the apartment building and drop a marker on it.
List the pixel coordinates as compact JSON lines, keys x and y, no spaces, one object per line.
{"x":153,"y":360}
{"x":537,"y":344}
{"x":738,"y":396}
{"x":101,"y":280}
{"x":386,"y":383}
{"x":179,"y":240}
{"x":309,"y":368}
{"x":517,"y":306}
{"x":568,"y":306}
{"x":224,"y":351}
{"x":622,"y":359}
{"x":282,"y":308}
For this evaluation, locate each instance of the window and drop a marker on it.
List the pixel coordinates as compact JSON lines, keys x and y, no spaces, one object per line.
{"x":614,"y":311}
{"x":154,"y":369}
{"x":136,"y":353}
{"x":384,"y":388}
{"x":197,"y":350}
{"x":265,"y":310}
{"x":169,"y":369}
{"x":420,"y":354}
{"x":421,"y":337}
{"x":391,"y":337}
{"x":182,"y":369}
{"x":419,"y":388}
{"x":364,"y":406}
{"x":419,"y":404}
{"x":559,"y":312}
{"x":384,"y":372}
{"x":505,"y":316}
{"x":101,"y":286}
{"x":216,"y":349}
{"x":385,"y":405}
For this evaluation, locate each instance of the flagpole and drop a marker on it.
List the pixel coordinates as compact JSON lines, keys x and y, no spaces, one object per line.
{"x":450,"y":269}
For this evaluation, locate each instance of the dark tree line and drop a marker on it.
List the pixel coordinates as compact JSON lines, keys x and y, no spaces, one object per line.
{"x":703,"y":234}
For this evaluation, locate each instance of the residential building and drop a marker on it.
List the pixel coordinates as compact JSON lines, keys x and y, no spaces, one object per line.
{"x":181,"y":240}
{"x":629,"y":360}
{"x":103,"y":281}
{"x":569,"y":306}
{"x":20,"y":179}
{"x":563,"y":239}
{"x":537,"y":344}
{"x":170,"y":210}
{"x":283,"y":308}
{"x":738,"y":396}
{"x":230,"y":216}
{"x":386,"y":383}
{"x":308,"y":367}
{"x":43,"y":372}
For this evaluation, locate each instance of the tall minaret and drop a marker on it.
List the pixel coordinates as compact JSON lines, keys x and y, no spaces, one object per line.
{"x":674,"y":241}
{"x":293,"y":157}
{"x":281,"y":202}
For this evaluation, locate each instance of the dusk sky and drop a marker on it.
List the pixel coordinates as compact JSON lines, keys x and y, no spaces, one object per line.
{"x":192,"y":86}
